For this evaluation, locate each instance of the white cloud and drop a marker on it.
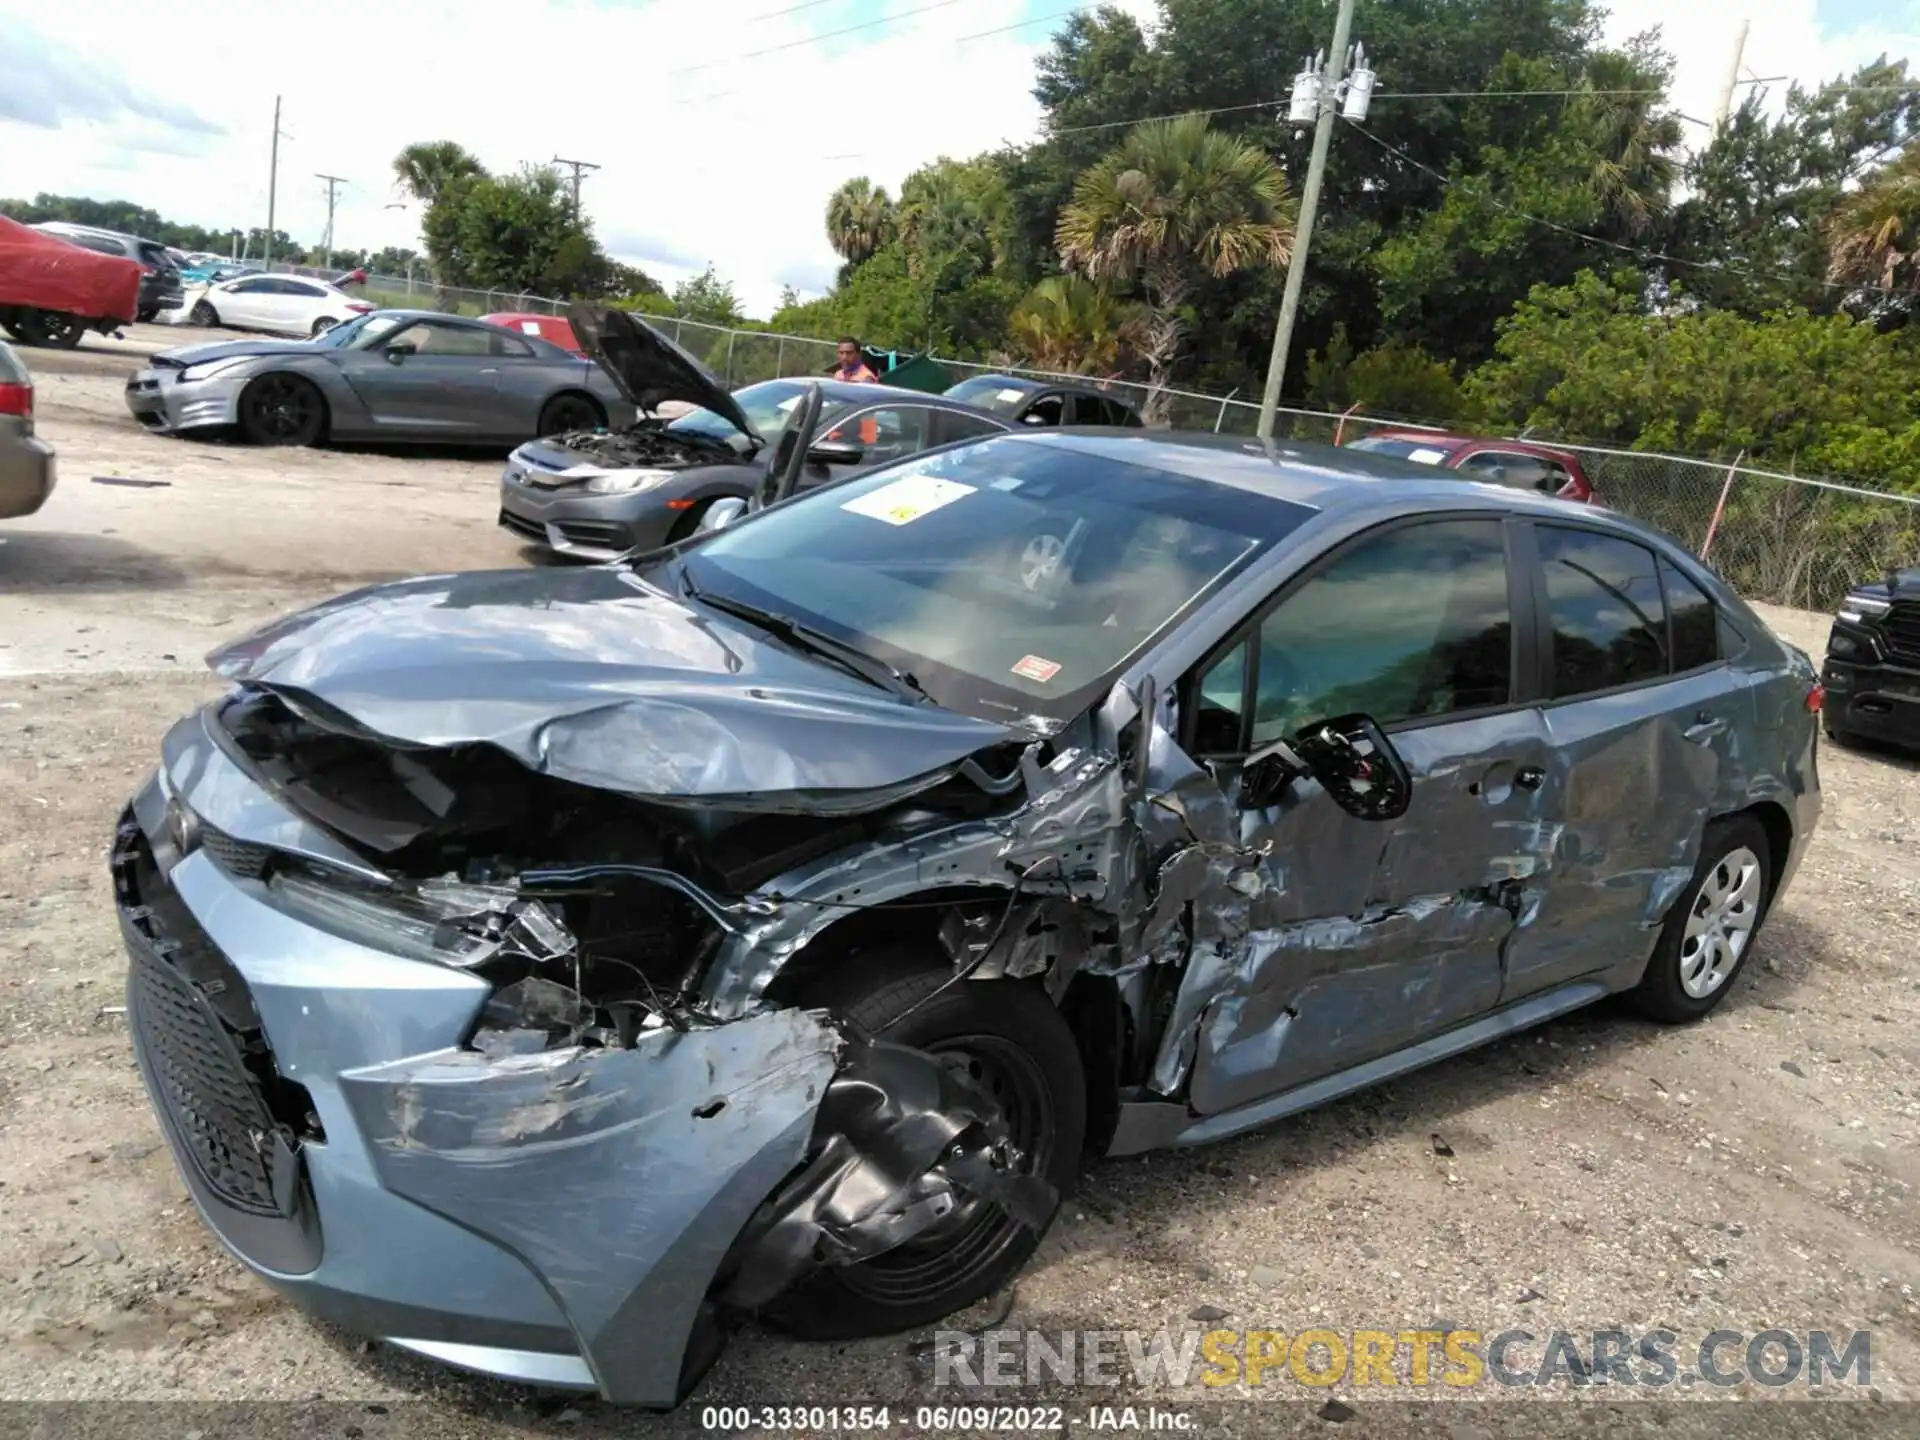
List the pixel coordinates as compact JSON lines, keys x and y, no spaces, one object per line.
{"x":732,"y":164}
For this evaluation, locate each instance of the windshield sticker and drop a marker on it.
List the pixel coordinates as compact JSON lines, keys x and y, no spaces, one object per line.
{"x":785,"y":407}
{"x":908,"y":498}
{"x":1010,"y":397}
{"x":529,"y":327}
{"x":1006,"y":482}
{"x":1427,"y":457}
{"x":1034,"y":667}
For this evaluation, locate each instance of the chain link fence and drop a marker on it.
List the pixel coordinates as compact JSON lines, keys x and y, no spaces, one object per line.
{"x":1785,"y":539}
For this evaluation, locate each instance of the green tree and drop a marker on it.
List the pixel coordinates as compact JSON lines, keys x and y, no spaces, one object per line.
{"x":1068,"y":323}
{"x":709,"y":299}
{"x":1175,"y":201}
{"x":1633,"y":139}
{"x":425,"y":170}
{"x":1874,"y":235}
{"x":860,"y":220}
{"x":510,"y":232}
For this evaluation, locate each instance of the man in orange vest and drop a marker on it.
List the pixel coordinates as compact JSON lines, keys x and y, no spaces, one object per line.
{"x":854,"y":370}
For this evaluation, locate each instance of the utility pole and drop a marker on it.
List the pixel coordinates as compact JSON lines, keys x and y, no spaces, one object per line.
{"x":577,"y":166}
{"x":273,"y":184}
{"x":1725,"y":107}
{"x":334,"y":182}
{"x":1328,"y":93}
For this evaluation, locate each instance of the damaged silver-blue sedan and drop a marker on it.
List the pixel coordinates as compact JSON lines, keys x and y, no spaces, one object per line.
{"x":541,"y":970}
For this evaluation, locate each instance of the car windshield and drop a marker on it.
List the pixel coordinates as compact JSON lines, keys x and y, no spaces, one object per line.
{"x":998,"y":393}
{"x":767,"y":406}
{"x":1421,"y":452}
{"x":359,"y":333}
{"x":1012,"y":578}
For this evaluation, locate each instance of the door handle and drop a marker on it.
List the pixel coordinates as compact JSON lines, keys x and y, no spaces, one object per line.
{"x":1704,"y":728}
{"x":490,"y":371}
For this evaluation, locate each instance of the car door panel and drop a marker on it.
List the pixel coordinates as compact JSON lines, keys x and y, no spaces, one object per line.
{"x":428,"y":390}
{"x":1637,"y":764}
{"x":1380,"y":934}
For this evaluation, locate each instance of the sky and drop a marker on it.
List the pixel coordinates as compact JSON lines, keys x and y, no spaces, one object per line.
{"x":709,"y":151}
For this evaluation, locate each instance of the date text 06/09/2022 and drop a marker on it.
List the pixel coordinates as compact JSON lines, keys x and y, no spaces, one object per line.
{"x":967,"y":1419}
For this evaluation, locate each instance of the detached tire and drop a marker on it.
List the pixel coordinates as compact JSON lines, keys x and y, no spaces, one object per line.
{"x":1711,"y":928}
{"x":1021,"y":1050}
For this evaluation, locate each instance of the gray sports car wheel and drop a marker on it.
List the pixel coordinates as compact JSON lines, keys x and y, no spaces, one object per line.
{"x":282,"y":410}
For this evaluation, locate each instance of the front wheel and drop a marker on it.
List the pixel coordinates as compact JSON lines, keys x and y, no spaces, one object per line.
{"x":1015,"y":1044}
{"x":203,"y":314}
{"x":282,"y":410}
{"x":566,"y":413}
{"x":1710,"y":932}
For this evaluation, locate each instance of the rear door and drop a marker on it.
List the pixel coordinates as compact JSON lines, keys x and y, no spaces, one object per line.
{"x":1384,"y":933}
{"x":239,"y":303}
{"x":1639,"y":711}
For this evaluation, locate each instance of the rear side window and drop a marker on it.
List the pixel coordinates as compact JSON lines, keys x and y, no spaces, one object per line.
{"x":1695,"y":623}
{"x":1603,"y":598}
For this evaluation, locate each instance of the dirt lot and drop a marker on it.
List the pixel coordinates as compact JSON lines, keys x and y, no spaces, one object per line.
{"x":1755,"y":1171}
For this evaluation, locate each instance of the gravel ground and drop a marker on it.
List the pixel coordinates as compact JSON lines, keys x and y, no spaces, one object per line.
{"x":1754,"y":1171}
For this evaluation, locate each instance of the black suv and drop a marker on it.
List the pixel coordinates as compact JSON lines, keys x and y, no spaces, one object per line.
{"x":1872,"y":670}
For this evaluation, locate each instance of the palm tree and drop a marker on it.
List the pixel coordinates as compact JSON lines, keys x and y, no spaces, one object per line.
{"x":1069,"y":324}
{"x":1873,"y":237}
{"x":860,"y":219}
{"x":425,"y":170}
{"x":1175,"y":201}
{"x":1634,"y":140}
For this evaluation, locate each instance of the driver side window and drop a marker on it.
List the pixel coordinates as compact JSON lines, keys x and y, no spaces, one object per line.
{"x":1411,"y":624}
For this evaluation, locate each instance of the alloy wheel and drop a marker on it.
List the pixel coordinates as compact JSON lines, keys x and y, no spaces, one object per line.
{"x":1040,"y":559}
{"x":284,"y":409}
{"x":1720,"y":922}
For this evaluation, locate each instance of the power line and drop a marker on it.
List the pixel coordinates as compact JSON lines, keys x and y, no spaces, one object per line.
{"x":1637,"y":252}
{"x":816,"y":39}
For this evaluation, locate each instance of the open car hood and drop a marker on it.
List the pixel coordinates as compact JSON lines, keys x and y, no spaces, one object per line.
{"x":648,"y":367}
{"x":594,"y":677}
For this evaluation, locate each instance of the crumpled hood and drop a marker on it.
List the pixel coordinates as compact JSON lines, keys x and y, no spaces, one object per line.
{"x":648,"y":367}
{"x":229,"y":350}
{"x":593,"y":677}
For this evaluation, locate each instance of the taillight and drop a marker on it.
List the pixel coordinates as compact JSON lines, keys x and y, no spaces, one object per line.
{"x":16,"y":399}
{"x":1816,"y":699}
{"x":360,"y":309}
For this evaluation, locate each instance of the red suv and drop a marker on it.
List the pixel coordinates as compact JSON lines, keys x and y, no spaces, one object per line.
{"x":1513,"y":463}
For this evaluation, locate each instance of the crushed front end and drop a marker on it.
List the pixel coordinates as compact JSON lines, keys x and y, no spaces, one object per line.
{"x":424,"y":1034}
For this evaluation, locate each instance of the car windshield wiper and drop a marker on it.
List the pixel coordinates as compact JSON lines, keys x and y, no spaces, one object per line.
{"x":870,"y":668}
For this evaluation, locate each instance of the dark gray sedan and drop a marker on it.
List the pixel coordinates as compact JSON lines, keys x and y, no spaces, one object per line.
{"x":404,"y":376}
{"x":593,"y":496}
{"x":26,"y":461}
{"x":544,"y":969}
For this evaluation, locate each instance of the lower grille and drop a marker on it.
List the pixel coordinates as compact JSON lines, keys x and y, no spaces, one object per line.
{"x":520,"y":525}
{"x":240,"y":858}
{"x":215,"y":1105}
{"x":1901,"y":629}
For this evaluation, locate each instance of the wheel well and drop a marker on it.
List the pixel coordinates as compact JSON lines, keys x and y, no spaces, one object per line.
{"x":573,"y":394}
{"x":326,"y":409}
{"x":1775,"y":821}
{"x":1091,"y":1007}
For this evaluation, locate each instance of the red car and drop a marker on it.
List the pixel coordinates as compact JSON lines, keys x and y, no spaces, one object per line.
{"x":543,"y":327}
{"x":1513,"y":463}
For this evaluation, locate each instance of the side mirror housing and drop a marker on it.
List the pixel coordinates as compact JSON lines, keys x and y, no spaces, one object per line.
{"x":836,"y":452}
{"x":1351,"y":758}
{"x":396,"y":353}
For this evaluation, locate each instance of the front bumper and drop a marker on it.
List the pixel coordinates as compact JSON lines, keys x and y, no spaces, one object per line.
{"x":1872,"y":701}
{"x":589,"y":527}
{"x":532,"y":1217}
{"x":27,"y":475}
{"x":161,"y":401}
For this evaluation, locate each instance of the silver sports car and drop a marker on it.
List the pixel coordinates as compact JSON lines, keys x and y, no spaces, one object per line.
{"x":393,"y":375}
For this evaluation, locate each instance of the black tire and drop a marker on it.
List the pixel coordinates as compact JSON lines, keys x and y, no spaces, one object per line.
{"x":60,"y":330}
{"x":1662,"y":993}
{"x":282,"y":409}
{"x":571,"y":411}
{"x":1023,"y":1050}
{"x":203,"y":314}
{"x":145,"y":317}
{"x":322,"y":325}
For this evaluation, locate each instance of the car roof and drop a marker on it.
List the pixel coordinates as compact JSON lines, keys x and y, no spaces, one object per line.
{"x":1446,"y":440}
{"x":465,"y":320}
{"x":854,"y":392}
{"x":1031,"y":385}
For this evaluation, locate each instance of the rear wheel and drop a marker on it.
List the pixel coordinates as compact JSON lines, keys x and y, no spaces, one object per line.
{"x":1710,"y":932}
{"x":203,"y":314}
{"x":282,"y":410}
{"x":322,"y":325}
{"x":565,"y":413}
{"x":48,"y":327}
{"x":1015,"y":1044}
